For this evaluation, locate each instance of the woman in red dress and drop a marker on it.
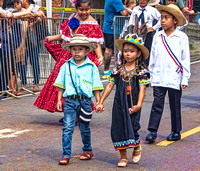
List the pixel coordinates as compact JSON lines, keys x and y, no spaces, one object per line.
{"x":81,"y":23}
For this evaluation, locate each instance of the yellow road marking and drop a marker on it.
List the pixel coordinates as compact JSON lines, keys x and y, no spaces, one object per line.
{"x":183,"y":135}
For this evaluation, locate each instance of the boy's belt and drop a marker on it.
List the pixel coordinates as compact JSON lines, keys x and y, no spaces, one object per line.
{"x":79,"y":96}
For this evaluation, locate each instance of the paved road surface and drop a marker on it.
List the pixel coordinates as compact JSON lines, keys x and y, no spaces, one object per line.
{"x":30,"y":139}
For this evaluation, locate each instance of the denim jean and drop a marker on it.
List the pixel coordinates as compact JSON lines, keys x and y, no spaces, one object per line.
{"x":71,"y":107}
{"x":33,"y":54}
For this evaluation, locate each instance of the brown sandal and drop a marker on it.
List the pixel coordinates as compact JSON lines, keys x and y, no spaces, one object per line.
{"x":86,"y":155}
{"x":64,"y":161}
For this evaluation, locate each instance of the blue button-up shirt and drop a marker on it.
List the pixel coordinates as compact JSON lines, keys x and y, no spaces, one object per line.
{"x":86,"y":78}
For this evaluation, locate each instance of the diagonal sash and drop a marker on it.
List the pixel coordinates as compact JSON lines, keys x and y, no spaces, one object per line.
{"x":172,"y":55}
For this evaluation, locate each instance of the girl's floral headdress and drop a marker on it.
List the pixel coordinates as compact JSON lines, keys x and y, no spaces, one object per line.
{"x":135,"y":40}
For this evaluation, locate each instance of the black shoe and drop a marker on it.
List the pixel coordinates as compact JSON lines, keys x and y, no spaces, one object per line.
{"x":151,"y":137}
{"x":174,"y":136}
{"x":61,"y":120}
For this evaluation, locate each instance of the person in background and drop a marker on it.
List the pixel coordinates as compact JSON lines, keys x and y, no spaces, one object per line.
{"x":5,"y":71}
{"x":11,"y":41}
{"x":183,"y":8}
{"x":146,"y":14}
{"x":112,"y":8}
{"x":7,"y":14}
{"x":129,"y":5}
{"x":169,"y":68}
{"x":32,"y":49}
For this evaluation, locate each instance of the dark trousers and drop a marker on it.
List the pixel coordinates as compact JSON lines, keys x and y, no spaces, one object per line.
{"x":33,"y":54}
{"x":158,"y":106}
{"x":148,"y":44}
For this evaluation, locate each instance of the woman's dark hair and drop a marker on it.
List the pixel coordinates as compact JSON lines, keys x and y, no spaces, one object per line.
{"x":31,"y":1}
{"x":11,"y":3}
{"x":79,"y":2}
{"x":140,"y":62}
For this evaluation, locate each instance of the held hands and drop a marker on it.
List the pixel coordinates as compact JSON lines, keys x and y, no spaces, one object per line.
{"x":134,"y":109}
{"x":99,"y":108}
{"x":59,"y":106}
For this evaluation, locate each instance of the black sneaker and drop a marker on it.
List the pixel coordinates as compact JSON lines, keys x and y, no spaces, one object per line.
{"x":151,"y":137}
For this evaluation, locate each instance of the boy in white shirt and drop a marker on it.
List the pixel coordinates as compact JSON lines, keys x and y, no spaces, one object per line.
{"x":146,"y":14}
{"x":169,"y":67}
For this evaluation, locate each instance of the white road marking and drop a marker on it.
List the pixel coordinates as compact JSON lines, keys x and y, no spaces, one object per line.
{"x":195,"y":62}
{"x":10,"y":133}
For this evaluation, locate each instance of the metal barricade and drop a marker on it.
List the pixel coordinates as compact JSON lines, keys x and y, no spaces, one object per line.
{"x":120,"y":24}
{"x":24,"y":61}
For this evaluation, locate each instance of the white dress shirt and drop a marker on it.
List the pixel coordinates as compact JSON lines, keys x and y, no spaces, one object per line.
{"x":150,"y":13}
{"x":162,"y":67}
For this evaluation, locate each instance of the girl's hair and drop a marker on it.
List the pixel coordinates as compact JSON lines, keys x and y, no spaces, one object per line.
{"x":11,"y":3}
{"x":79,"y":2}
{"x":139,"y":63}
{"x":31,"y":1}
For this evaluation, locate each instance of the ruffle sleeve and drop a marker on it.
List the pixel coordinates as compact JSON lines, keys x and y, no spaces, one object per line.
{"x":65,"y":31}
{"x":113,"y":75}
{"x":91,"y":29}
{"x":144,"y":77}
{"x":93,"y":32}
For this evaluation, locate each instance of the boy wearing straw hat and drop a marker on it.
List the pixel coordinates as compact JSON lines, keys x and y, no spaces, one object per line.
{"x":78,"y":81}
{"x":170,"y":70}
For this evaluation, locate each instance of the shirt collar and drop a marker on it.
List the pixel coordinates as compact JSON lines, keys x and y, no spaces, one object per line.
{"x":140,"y":9}
{"x":87,"y":61}
{"x":175,"y":33}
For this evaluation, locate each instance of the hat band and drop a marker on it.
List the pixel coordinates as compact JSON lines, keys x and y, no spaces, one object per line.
{"x":135,"y":39}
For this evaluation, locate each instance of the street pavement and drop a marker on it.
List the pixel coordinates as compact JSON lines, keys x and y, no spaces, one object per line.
{"x":30,"y":138}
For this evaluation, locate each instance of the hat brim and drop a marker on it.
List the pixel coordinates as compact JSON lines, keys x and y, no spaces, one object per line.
{"x":177,"y":14}
{"x":91,"y":46}
{"x":154,"y":3}
{"x":120,"y":42}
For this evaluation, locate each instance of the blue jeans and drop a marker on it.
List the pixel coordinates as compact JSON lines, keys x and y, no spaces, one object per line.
{"x":71,"y":107}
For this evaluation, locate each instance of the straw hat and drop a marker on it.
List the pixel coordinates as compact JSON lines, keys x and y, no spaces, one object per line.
{"x":153,"y":2}
{"x":135,"y":40}
{"x":79,"y":40}
{"x":173,"y":10}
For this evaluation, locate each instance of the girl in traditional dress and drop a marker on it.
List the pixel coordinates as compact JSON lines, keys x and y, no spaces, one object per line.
{"x":130,"y":79}
{"x":79,"y":23}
